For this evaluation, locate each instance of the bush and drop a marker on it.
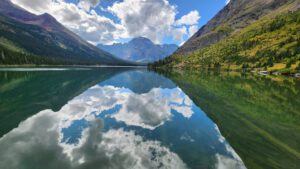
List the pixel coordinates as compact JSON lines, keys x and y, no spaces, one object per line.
{"x":298,"y":67}
{"x":245,"y":66}
{"x":289,"y":64}
{"x":276,"y":24}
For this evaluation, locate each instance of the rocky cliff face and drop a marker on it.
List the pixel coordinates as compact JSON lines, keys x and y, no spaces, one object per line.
{"x":236,"y":15}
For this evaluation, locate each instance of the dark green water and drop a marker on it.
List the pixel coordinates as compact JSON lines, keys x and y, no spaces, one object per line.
{"x":134,"y":118}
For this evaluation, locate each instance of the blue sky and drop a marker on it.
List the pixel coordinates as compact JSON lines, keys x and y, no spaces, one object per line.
{"x":206,"y":8}
{"x":114,"y":21}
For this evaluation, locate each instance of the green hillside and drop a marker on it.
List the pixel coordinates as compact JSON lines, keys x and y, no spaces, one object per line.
{"x":272,"y":42}
{"x":11,"y":52}
{"x":22,"y":43}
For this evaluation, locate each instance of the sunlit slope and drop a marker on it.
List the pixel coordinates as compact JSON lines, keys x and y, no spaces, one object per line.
{"x":272,"y":42}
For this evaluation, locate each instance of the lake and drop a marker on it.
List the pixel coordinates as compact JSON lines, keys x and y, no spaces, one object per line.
{"x":114,"y":118}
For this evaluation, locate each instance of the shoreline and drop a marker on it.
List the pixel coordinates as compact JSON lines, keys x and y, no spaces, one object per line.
{"x":89,"y":67}
{"x":259,"y":72}
{"x":66,"y":66}
{"x":20,"y":68}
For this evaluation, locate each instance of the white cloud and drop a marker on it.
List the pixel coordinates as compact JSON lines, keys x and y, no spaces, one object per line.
{"x":191,"y":18}
{"x":154,"y":19}
{"x":182,"y":43}
{"x":34,"y":6}
{"x":192,"y":30}
{"x":148,"y":18}
{"x":178,"y":33}
{"x":88,"y":4}
{"x":89,"y":25}
{"x":227,"y":1}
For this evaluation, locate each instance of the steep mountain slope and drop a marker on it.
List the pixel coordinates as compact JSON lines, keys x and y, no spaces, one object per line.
{"x":140,"y":50}
{"x":236,"y":15}
{"x":26,"y":38}
{"x":268,"y":39}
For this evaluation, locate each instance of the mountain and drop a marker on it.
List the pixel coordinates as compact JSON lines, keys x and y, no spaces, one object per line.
{"x":140,"y":50}
{"x":26,"y":38}
{"x":236,"y":15}
{"x":256,"y":34}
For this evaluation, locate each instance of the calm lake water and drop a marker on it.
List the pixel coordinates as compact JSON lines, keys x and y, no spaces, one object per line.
{"x":114,"y":118}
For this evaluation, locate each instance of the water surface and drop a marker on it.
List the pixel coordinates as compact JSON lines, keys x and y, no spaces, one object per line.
{"x":134,"y":118}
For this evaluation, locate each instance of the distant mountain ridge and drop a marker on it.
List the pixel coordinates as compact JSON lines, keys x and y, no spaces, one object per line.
{"x":140,"y":50}
{"x":26,"y":38}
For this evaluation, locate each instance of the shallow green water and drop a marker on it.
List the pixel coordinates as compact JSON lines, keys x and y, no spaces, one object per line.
{"x":134,"y":118}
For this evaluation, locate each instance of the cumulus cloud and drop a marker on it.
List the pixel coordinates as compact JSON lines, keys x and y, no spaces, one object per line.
{"x":147,"y":18}
{"x":191,"y":18}
{"x":178,"y":33}
{"x":34,"y":6}
{"x":192,"y":30}
{"x":89,"y":25}
{"x":88,"y":4}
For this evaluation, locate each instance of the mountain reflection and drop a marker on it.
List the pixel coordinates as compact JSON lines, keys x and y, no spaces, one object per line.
{"x":119,"y":125}
{"x":24,"y":93}
{"x":258,"y":115}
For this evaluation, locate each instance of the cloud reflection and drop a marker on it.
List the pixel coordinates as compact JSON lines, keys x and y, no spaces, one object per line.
{"x":36,"y":143}
{"x":153,"y":109}
{"x":232,"y":160}
{"x":148,"y":110}
{"x":74,"y":137}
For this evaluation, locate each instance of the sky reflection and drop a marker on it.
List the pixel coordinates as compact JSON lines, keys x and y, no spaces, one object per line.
{"x":111,"y":126}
